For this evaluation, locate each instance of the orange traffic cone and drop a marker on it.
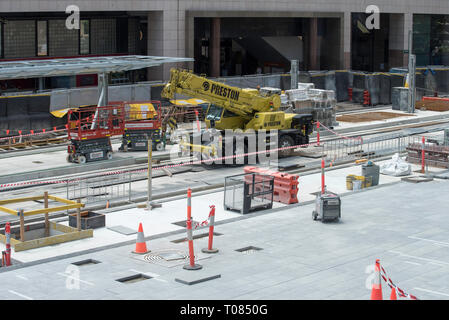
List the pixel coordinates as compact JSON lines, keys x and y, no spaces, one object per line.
{"x":393,"y":294}
{"x":141,"y":246}
{"x":376,"y":291}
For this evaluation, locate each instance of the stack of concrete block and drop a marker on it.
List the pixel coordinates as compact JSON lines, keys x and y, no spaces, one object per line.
{"x":268,"y":91}
{"x":318,"y":102}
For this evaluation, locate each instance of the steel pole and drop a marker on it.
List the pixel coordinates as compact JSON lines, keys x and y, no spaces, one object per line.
{"x":150,"y":173}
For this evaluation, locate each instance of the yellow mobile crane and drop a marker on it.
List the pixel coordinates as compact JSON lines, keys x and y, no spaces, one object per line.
{"x":243,"y":110}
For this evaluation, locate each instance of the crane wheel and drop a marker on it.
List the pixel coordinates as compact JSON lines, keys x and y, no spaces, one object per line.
{"x":81,"y":159}
{"x":160,"y":147}
{"x":286,"y":141}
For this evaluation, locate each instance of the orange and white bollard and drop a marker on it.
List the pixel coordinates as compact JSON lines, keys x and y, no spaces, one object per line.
{"x":191,"y":265}
{"x":189,"y":204}
{"x":209,"y":248}
{"x":8,"y":243}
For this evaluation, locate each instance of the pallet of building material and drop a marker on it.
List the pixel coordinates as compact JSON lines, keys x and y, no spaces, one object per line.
{"x":432,"y":104}
{"x":434,"y":155}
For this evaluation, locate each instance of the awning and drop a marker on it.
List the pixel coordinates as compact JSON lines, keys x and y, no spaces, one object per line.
{"x":77,"y":66}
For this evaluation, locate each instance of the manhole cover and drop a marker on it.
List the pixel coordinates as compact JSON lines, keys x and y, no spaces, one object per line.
{"x":169,"y":256}
{"x":165,"y":255}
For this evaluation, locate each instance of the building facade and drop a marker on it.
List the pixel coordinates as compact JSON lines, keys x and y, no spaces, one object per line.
{"x":226,"y":37}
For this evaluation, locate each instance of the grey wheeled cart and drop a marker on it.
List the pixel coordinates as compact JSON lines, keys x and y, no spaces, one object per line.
{"x":328,"y":207}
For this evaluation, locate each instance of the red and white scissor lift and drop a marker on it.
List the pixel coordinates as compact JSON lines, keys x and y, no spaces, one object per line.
{"x":143,"y":121}
{"x":90,"y":129}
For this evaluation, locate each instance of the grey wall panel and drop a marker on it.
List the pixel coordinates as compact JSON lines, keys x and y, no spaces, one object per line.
{"x":123,"y":93}
{"x":329,"y":81}
{"x":319,"y":80}
{"x":286,"y":82}
{"x":341,"y":85}
{"x":142,"y":92}
{"x":38,"y":104}
{"x":155,"y":92}
{"x":304,"y":77}
{"x":58,"y":100}
{"x":385,"y":89}
{"x":373,"y":86}
{"x":39,"y":121}
{"x":3,"y":107}
{"x":17,"y":106}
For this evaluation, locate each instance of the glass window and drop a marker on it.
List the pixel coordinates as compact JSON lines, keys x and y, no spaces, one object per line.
{"x":214,"y":112}
{"x":85,"y":37}
{"x":42,"y":43}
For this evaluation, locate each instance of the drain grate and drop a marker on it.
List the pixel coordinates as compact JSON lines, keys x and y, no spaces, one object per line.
{"x":134,"y":278}
{"x":85,"y":262}
{"x":198,"y":236}
{"x":248,"y":250}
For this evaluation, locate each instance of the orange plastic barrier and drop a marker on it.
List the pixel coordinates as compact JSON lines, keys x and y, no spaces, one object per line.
{"x":285,"y":184}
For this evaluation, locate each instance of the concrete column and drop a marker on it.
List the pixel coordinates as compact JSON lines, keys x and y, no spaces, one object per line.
{"x":345,"y":37}
{"x":155,"y":42}
{"x":166,"y":37}
{"x":400,"y":24}
{"x":214,"y":48}
{"x":313,"y":48}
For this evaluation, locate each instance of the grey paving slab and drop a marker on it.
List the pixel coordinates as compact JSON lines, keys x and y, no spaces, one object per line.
{"x":301,"y":259}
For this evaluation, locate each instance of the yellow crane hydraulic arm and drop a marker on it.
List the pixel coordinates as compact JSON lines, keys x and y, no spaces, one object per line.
{"x":242,"y":102}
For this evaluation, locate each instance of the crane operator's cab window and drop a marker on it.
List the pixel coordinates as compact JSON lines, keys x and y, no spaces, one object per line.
{"x":215,"y":113}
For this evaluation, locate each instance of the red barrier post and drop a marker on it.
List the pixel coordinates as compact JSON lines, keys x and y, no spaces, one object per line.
{"x":209,"y":248}
{"x":318,"y":133}
{"x":8,"y":243}
{"x":423,"y":157}
{"x":191,"y":265}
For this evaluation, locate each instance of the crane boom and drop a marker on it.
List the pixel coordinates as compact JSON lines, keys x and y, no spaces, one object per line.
{"x":242,"y":102}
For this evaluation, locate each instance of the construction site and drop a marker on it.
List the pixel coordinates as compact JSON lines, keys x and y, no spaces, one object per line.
{"x":318,"y":178}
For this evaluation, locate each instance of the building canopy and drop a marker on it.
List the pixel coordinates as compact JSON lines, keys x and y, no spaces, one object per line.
{"x":76,"y":66}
